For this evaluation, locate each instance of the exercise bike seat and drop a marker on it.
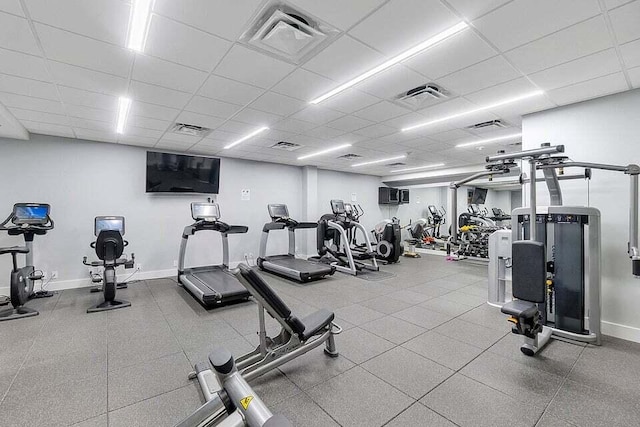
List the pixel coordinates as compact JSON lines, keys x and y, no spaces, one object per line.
{"x":520,"y":309}
{"x":14,"y":250}
{"x":316,"y":322}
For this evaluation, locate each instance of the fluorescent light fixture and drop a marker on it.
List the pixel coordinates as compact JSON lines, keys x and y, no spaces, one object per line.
{"x":373,"y":162}
{"x":489,"y":140}
{"x":399,"y":58}
{"x":244,"y":138}
{"x":328,"y":150}
{"x":139,"y":24}
{"x":434,"y":165}
{"x":475,"y":110}
{"x":124,"y":104}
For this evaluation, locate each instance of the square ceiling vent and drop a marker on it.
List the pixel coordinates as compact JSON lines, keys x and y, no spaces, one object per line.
{"x":349,"y":156}
{"x":488,"y":126}
{"x":281,"y":30}
{"x":286,"y":146}
{"x":191,"y":130}
{"x":422,"y":96}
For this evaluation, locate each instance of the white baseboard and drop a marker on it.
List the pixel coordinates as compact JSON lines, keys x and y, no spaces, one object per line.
{"x":624,"y":332}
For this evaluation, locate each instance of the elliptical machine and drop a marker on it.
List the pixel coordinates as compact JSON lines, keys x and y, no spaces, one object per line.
{"x":109,"y":247}
{"x":387,"y":244}
{"x":28,"y":220}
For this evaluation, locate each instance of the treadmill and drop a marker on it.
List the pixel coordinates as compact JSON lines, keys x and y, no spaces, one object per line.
{"x":288,"y":265}
{"x":212,"y":285}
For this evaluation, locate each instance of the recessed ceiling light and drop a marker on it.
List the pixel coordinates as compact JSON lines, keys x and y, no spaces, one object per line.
{"x":399,"y":58}
{"x":434,"y":165}
{"x":124,"y":104}
{"x":328,"y":150}
{"x":489,"y":140}
{"x":475,"y":110}
{"x":139,"y":24}
{"x":373,"y":162}
{"x":244,"y":138}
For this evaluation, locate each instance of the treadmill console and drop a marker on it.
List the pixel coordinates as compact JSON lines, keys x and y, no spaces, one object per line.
{"x":337,"y":207}
{"x":201,"y":211}
{"x":108,"y":223}
{"x":278,"y":211}
{"x":30,"y":214}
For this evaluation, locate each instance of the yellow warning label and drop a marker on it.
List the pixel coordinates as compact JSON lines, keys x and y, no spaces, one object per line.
{"x":246,"y":401}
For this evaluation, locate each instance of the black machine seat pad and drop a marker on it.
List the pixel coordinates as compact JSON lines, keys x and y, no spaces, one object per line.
{"x":14,"y":250}
{"x":265,"y":291}
{"x":315,"y":322}
{"x":529,"y":270}
{"x":520,"y":309}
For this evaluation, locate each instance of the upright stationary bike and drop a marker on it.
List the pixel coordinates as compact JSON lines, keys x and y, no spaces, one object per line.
{"x":109,"y":247}
{"x":28,"y":220}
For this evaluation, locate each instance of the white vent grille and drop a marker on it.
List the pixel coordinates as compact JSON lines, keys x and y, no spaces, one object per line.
{"x":422,"y":96}
{"x":396,"y":164}
{"x":191,"y":130}
{"x":283,"y":31}
{"x":286,"y":146}
{"x":349,"y":156}
{"x":489,"y":125}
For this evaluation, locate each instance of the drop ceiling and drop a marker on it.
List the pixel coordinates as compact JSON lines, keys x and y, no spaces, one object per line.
{"x":63,"y":65}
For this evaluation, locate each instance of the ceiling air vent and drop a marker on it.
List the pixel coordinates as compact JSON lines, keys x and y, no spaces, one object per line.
{"x":191,"y":130}
{"x":391,"y":165}
{"x":422,"y":96}
{"x":286,"y":146}
{"x":491,"y":124}
{"x":282,"y":30}
{"x":350,"y":156}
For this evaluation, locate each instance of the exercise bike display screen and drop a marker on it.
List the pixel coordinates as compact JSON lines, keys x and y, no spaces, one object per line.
{"x":278,"y":211}
{"x":337,"y":206}
{"x":109,"y":223}
{"x":30,"y":214}
{"x":206,"y":211}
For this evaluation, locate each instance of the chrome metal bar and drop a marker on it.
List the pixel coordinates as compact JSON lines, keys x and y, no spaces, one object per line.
{"x":453,"y":213}
{"x":586,"y":165}
{"x":633,"y":219}
{"x":553,"y":185}
{"x":209,"y":414}
{"x":533,"y":232}
{"x":536,"y":152}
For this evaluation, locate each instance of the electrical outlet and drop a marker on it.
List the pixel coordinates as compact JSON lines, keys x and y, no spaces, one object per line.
{"x":54,"y":274}
{"x":175,"y":262}
{"x":139,"y":267}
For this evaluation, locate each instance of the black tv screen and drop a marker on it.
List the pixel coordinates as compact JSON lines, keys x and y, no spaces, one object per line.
{"x":479,"y":196}
{"x":175,"y":173}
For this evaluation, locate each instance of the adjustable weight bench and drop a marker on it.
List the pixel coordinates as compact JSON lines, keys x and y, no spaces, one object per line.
{"x":529,"y":272}
{"x":297,"y":336}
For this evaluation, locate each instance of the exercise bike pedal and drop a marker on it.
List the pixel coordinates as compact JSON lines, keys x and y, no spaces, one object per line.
{"x":36,"y":276}
{"x":41,"y":294}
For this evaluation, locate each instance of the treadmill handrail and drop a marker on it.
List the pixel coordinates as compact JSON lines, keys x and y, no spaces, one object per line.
{"x":302,"y":225}
{"x":219,"y":226}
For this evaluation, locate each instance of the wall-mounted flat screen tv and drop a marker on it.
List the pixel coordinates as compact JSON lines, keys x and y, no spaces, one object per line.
{"x":479,"y":196}
{"x":175,"y":173}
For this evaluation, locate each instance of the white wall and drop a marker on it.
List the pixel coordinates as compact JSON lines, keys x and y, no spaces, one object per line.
{"x":83,"y":179}
{"x":604,"y":130}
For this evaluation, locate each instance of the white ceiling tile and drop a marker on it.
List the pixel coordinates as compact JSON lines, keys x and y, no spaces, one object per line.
{"x":220,"y":135}
{"x":405,"y":120}
{"x":453,"y":54}
{"x":571,"y":43}
{"x":350,"y":100}
{"x":227,"y":90}
{"x":105,"y":20}
{"x":293,"y":125}
{"x":176,"y":138}
{"x":392,"y":82}
{"x":28,"y":87}
{"x":15,"y":34}
{"x":82,"y":78}
{"x":91,"y":113}
{"x":324,"y":132}
{"x":585,"y":68}
{"x":77,"y":50}
{"x":249,"y":66}
{"x":511,"y":89}
{"x":226,"y":18}
{"x":22,"y":65}
{"x":381,"y":111}
{"x":147,"y":123}
{"x":48,"y":129}
{"x":88,"y":99}
{"x":626,"y":22}
{"x":39,"y":116}
{"x":611,"y":4}
{"x":335,"y":13}
{"x":451,"y":135}
{"x":402,"y":24}
{"x":631,"y":53}
{"x":317,"y":114}
{"x":634,"y":75}
{"x":304,"y":85}
{"x":485,"y":74}
{"x":153,"y":111}
{"x":522,"y":21}
{"x":184,"y":45}
{"x":376,"y":131}
{"x":203,"y":120}
{"x":256,"y":117}
{"x":167,"y":74}
{"x":349,"y":123}
{"x":589,"y":89}
{"x":93,"y":135}
{"x":12,"y":6}
{"x":471,"y":9}
{"x":158,"y":95}
{"x":240,"y":128}
{"x":147,"y":133}
{"x":139,"y":141}
{"x":212,"y":107}
{"x":343,"y":59}
{"x":29,"y":103}
{"x":97,"y":125}
{"x":278,"y":104}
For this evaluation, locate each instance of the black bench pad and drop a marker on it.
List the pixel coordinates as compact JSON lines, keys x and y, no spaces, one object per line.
{"x":520,"y":309}
{"x":315,"y":322}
